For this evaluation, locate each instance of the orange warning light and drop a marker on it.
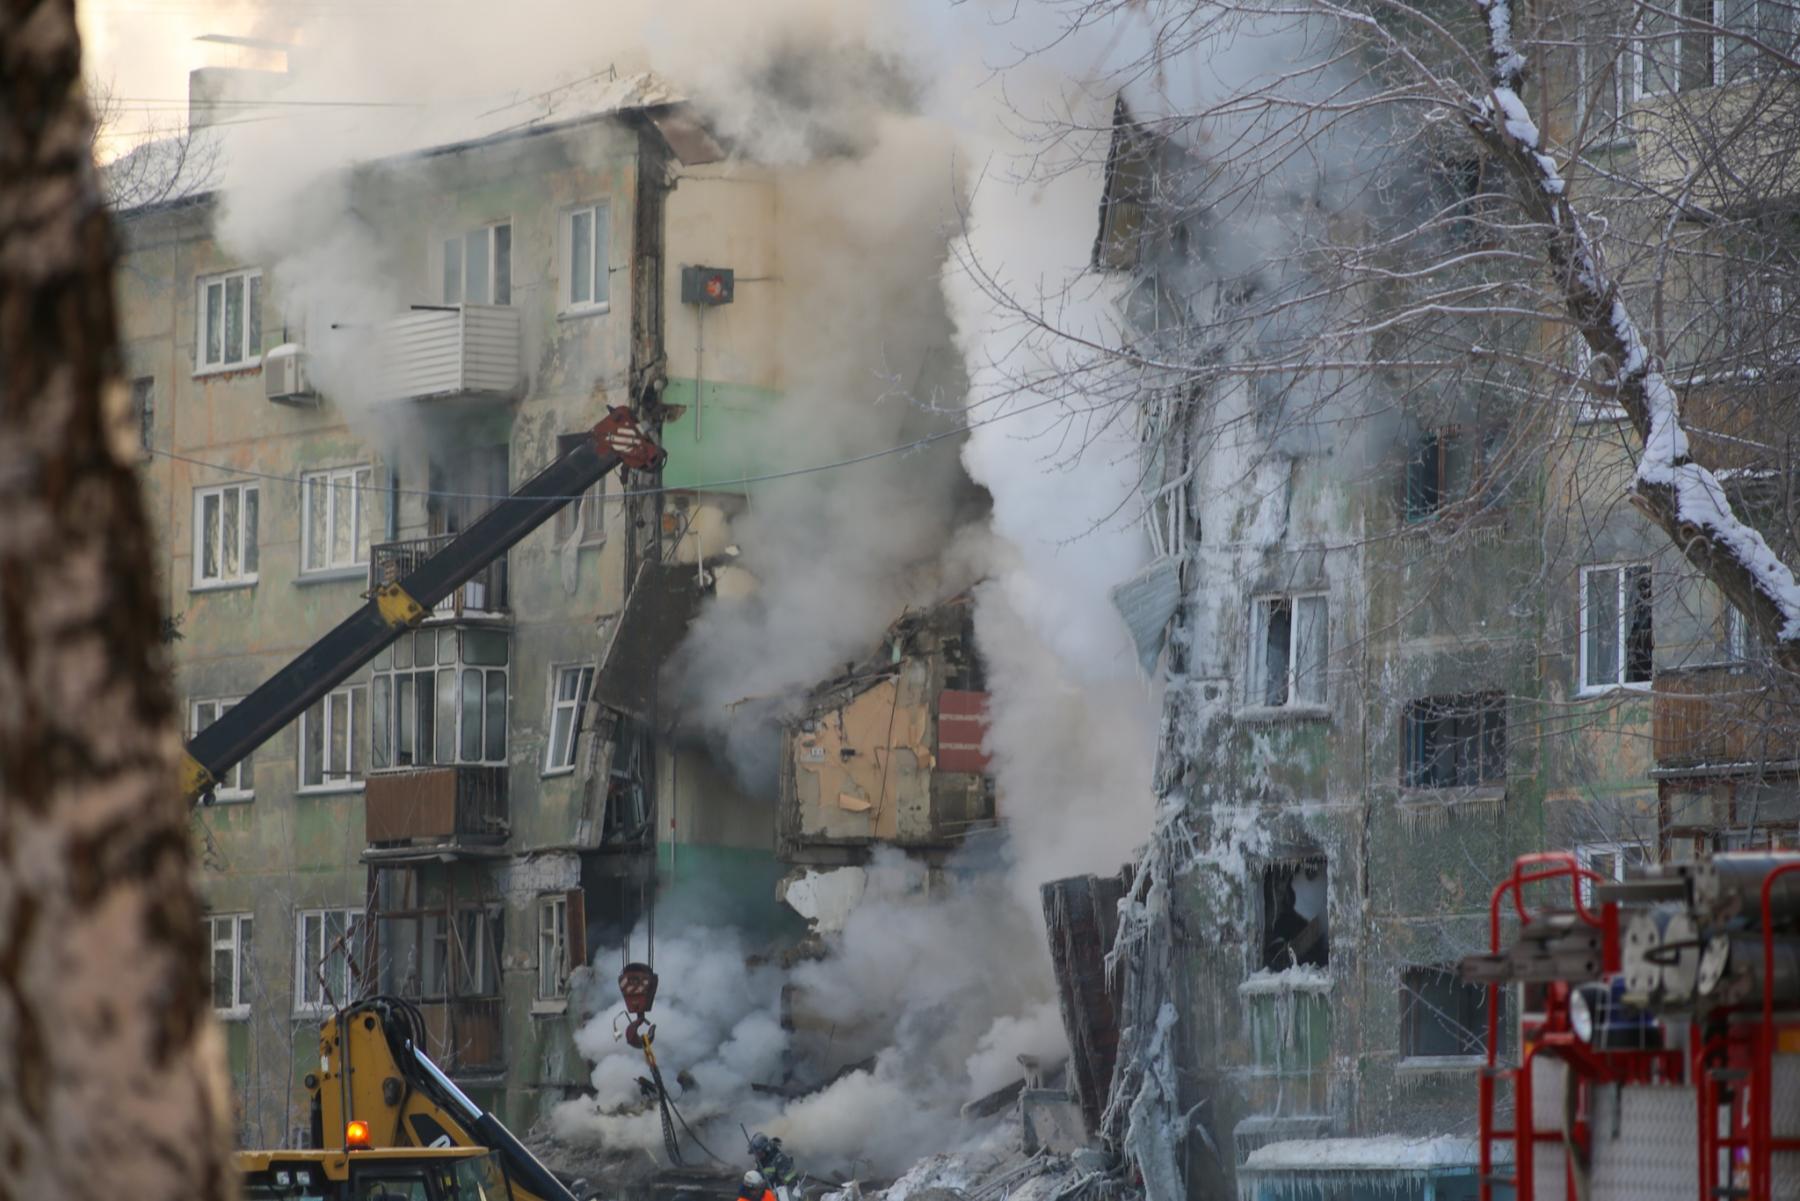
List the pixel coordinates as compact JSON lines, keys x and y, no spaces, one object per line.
{"x":356,"y":1135}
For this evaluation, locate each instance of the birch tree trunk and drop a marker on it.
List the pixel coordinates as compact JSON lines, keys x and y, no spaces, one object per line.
{"x":111,"y":1076}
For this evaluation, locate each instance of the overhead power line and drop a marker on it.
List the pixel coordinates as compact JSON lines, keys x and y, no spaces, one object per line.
{"x":710,"y":486}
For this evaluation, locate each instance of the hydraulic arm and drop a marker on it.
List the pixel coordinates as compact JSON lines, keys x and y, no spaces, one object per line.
{"x":401,"y":604}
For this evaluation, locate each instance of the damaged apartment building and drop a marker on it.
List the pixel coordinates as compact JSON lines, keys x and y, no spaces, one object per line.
{"x":1395,"y":661}
{"x":491,"y":802}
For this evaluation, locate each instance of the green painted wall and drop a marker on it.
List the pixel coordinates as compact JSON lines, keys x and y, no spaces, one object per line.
{"x":723,"y":438}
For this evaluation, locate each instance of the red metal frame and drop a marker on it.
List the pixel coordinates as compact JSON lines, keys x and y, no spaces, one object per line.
{"x":1724,"y":1048}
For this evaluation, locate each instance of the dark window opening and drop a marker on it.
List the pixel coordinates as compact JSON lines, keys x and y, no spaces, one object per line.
{"x":1295,"y":924}
{"x":1440,"y":1016}
{"x":1126,"y":195}
{"x":1277,"y":634}
{"x":1461,"y":195}
{"x":1447,"y":466}
{"x":1455,"y":741}
{"x":143,"y":407}
{"x":1640,"y":643}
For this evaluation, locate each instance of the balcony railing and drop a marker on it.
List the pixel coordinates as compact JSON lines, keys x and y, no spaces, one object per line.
{"x":461,"y":807}
{"x":449,"y":351}
{"x":483,"y":593}
{"x":1723,"y":716}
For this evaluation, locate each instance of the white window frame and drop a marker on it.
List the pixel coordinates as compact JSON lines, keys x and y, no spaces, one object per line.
{"x":1253,"y":698}
{"x":1620,"y":683}
{"x":555,"y":765}
{"x":355,"y":697}
{"x":1587,"y":853}
{"x":385,"y":690}
{"x":355,"y":482}
{"x":599,"y":298}
{"x":1742,"y":643}
{"x":553,"y":940}
{"x":225,"y":932}
{"x":246,"y":574}
{"x":202,"y":284}
{"x":1623,"y":80}
{"x":232,"y":787}
{"x":462,"y":273}
{"x":308,"y":958}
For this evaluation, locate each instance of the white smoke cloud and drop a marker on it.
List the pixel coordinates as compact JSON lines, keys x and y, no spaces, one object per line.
{"x":913,"y":194}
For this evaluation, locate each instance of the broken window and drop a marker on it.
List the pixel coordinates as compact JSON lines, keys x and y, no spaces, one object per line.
{"x":562,"y":942}
{"x":1288,"y":651}
{"x":1449,"y":465}
{"x":1295,"y":925}
{"x":229,"y":322}
{"x":228,"y":934}
{"x":1126,"y":194}
{"x":332,"y":746}
{"x":333,"y":528}
{"x":588,"y":515}
{"x":1440,"y":1016}
{"x":326,"y":942}
{"x":1455,"y":741}
{"x":1617,"y":639}
{"x":587,"y":240}
{"x":236,"y":784}
{"x":225,"y":542}
{"x":478,"y":266}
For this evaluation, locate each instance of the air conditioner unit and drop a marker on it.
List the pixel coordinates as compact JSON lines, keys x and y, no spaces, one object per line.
{"x":284,"y":376}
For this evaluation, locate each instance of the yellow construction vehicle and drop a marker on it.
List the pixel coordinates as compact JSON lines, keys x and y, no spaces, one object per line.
{"x":387,"y":1125}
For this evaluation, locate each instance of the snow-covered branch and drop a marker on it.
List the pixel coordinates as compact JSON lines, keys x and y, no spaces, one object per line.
{"x":1679,"y":494}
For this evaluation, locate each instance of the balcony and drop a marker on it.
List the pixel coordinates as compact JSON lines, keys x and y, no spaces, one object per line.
{"x":463,"y":1035}
{"x":1721,"y":717}
{"x":481,"y":595}
{"x":435,"y":811}
{"x":440,"y":352}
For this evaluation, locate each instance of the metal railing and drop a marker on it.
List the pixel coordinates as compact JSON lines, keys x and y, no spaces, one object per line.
{"x":485,"y":592}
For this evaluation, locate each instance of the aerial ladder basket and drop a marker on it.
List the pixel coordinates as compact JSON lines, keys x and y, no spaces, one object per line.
{"x":1688,"y":1006}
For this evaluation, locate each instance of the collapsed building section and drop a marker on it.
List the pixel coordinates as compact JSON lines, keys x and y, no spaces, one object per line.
{"x":890,"y":752}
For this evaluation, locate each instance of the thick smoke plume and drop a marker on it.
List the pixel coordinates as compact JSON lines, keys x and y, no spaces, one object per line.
{"x":920,"y":202}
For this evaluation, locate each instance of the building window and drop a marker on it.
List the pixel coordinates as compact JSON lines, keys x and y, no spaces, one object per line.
{"x":1742,"y":643}
{"x":586,"y":516}
{"x":1448,"y":465}
{"x":1600,"y":97}
{"x":1618,"y":645}
{"x":562,"y":942}
{"x":326,"y":962}
{"x":478,"y":266}
{"x":1770,"y":22}
{"x":225,"y":535}
{"x":1440,"y":1016}
{"x":229,"y":322}
{"x":331,"y":754}
{"x":568,"y":702}
{"x":1456,"y":741}
{"x":1608,"y":860}
{"x":229,"y":936}
{"x":587,"y":236}
{"x":1290,"y":1041}
{"x":1670,"y":50}
{"x":439,"y":697}
{"x":238,"y":784}
{"x":1288,"y":650}
{"x":143,"y":409}
{"x":333,"y":533}
{"x":1296,"y":926}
